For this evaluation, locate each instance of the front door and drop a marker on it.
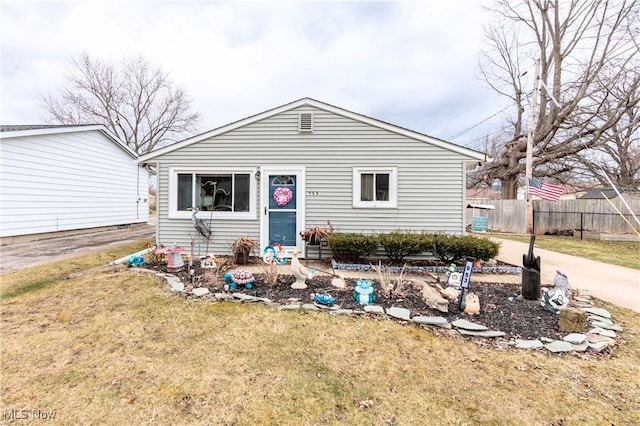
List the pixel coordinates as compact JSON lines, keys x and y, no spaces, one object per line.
{"x":282,"y":191}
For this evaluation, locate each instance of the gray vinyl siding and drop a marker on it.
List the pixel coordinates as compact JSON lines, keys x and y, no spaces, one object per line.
{"x":431,"y":179}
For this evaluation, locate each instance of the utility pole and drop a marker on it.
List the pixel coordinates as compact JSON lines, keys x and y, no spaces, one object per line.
{"x":528,"y":215}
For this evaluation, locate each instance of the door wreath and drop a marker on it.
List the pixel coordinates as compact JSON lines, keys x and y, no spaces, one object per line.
{"x":282,"y":196}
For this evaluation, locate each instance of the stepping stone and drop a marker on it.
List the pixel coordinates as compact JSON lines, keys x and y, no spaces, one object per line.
{"x":599,"y":319}
{"x":582,"y":299}
{"x":575,"y":338}
{"x":435,"y":321}
{"x":173,"y":281}
{"x":246,"y":297}
{"x":546,"y":340}
{"x":482,"y":333}
{"x":558,"y":346}
{"x":598,"y":346}
{"x":200,"y":291}
{"x":529,"y":344}
{"x":400,"y":313}
{"x":607,"y":326}
{"x":291,"y":307}
{"x":599,"y":312}
{"x":374,"y":309}
{"x":343,"y":311}
{"x":603,"y":332}
{"x":581,"y":347}
{"x":309,"y":307}
{"x":222,"y":296}
{"x":468,"y":325}
{"x":596,"y":338}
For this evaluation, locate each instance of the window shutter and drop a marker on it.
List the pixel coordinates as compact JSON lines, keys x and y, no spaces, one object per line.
{"x":305,"y":122}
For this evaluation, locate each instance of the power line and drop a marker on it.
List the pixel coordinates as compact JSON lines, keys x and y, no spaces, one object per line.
{"x":477,"y":124}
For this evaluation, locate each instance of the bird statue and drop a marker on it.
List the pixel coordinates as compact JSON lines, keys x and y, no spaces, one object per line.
{"x":200,"y":224}
{"x":300,"y":272}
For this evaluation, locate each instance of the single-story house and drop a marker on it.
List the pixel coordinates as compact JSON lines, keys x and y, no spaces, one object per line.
{"x":296,"y":166}
{"x":68,"y":177}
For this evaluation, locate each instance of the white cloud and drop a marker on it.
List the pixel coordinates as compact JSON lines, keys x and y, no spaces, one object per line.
{"x":411,"y":63}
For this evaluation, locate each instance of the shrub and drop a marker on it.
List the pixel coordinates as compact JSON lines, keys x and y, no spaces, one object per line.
{"x":451,"y":248}
{"x":348,"y":247}
{"x":398,"y":245}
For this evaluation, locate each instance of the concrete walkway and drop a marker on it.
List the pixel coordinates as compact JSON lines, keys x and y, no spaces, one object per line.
{"x":614,"y":284}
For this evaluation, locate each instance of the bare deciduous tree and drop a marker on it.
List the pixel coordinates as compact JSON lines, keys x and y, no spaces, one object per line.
{"x":578,"y":42}
{"x":134,"y":99}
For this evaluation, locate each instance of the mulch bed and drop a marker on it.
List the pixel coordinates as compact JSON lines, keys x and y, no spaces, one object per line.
{"x":501,"y":307}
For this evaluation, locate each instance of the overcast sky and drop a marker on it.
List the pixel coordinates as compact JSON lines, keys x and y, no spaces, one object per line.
{"x":410,"y":63}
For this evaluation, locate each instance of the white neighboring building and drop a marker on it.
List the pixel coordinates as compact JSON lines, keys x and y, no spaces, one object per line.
{"x":68,"y":177}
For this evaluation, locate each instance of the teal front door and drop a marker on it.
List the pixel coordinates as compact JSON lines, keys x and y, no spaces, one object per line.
{"x":282,"y":210}
{"x":282,"y":203}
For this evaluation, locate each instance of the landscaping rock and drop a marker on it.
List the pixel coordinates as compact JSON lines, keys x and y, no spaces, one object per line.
{"x":374,"y":309}
{"x":575,"y":338}
{"x":291,"y":307}
{"x":435,"y":321}
{"x":400,"y":313}
{"x":484,"y":333}
{"x":529,"y":344}
{"x":599,"y":312}
{"x":200,"y":291}
{"x":598,"y":346}
{"x":468,"y":325}
{"x":309,"y":307}
{"x":601,"y":331}
{"x":572,"y":320}
{"x":607,"y":326}
{"x":558,"y":346}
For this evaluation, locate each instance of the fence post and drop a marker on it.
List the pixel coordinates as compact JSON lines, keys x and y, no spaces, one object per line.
{"x":581,"y":224}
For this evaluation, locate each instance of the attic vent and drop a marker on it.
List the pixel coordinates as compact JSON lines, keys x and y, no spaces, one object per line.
{"x":305,"y":122}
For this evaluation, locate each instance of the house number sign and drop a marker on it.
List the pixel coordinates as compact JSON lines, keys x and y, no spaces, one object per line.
{"x":466,"y":276}
{"x":312,"y":193}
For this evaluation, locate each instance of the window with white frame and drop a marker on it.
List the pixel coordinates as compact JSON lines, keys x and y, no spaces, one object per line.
{"x":375,"y":187}
{"x":226,"y":192}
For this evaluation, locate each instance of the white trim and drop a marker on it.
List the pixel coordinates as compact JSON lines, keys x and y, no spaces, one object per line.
{"x":393,"y":188}
{"x":472,"y":154}
{"x":174,"y":213}
{"x":300,"y":173}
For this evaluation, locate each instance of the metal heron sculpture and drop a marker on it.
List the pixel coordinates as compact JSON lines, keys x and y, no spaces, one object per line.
{"x":201,"y":226}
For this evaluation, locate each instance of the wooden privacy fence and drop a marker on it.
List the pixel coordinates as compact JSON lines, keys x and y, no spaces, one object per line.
{"x":595,"y":219}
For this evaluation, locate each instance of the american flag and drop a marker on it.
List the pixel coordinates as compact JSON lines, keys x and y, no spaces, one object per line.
{"x":546,"y":191}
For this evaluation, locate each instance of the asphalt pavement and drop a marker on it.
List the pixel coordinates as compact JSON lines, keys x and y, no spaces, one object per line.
{"x":614,"y":284}
{"x":23,"y":255}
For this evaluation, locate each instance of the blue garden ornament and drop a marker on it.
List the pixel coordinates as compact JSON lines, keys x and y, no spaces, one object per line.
{"x":364,"y":292}
{"x":324,"y":299}
{"x":135,"y":260}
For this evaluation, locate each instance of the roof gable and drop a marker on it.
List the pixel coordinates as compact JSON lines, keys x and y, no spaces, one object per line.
{"x":472,"y":154}
{"x":16,"y":131}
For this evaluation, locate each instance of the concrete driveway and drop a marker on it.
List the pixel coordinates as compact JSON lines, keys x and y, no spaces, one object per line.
{"x":614,"y":284}
{"x":22,"y":255}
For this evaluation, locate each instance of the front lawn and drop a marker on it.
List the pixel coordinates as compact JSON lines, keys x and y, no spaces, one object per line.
{"x":114,"y":346}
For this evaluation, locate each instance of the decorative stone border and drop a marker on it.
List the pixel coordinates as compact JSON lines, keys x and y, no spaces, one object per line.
{"x":601,"y":335}
{"x":422,"y":269}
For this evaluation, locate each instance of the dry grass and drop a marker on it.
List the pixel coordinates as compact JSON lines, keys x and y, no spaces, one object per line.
{"x":115,"y":347}
{"x":621,"y":253}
